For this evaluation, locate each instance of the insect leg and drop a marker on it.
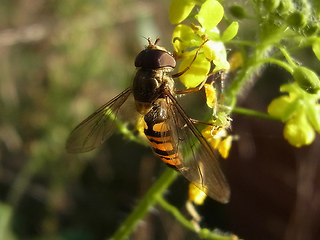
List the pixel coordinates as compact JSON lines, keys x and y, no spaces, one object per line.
{"x":194,"y":121}
{"x":191,"y":90}
{"x":210,"y":79}
{"x":194,"y":58}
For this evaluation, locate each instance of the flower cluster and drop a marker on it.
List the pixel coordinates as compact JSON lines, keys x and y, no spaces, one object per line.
{"x":300,"y":111}
{"x":188,"y":39}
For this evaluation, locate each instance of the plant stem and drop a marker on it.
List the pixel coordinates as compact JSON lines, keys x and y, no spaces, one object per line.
{"x":287,"y":56}
{"x":149,"y":200}
{"x":280,"y":63}
{"x":204,"y":233}
{"x":253,"y":113}
{"x":176,"y":213}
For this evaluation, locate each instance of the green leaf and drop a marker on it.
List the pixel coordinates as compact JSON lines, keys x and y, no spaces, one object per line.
{"x":210,"y":14}
{"x":230,"y":32}
{"x":198,"y":71}
{"x":316,"y":48}
{"x":180,"y":9}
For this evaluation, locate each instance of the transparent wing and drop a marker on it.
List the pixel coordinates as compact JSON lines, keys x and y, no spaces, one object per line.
{"x":199,"y":162}
{"x":96,"y":128}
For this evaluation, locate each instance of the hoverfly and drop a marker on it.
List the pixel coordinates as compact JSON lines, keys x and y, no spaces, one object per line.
{"x":172,"y":135}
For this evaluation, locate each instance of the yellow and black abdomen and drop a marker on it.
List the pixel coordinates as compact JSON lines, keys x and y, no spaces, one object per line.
{"x":162,"y":142}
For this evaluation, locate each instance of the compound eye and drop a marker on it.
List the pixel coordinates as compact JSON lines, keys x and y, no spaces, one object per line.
{"x":153,"y":59}
{"x":139,"y":59}
{"x":166,"y":60}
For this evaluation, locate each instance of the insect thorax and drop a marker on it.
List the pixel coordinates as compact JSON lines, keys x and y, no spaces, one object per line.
{"x":149,"y":85}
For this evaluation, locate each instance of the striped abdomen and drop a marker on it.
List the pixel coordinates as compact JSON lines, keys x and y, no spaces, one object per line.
{"x":162,"y":143}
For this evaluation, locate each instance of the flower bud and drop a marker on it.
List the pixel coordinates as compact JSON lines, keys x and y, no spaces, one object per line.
{"x":297,"y":20}
{"x":307,"y":79}
{"x":237,"y":11}
{"x":271,"y":5}
{"x":298,"y":131}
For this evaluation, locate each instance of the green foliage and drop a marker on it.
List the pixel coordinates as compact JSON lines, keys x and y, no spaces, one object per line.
{"x":287,"y":26}
{"x":54,"y":72}
{"x":230,"y":32}
{"x":278,"y":21}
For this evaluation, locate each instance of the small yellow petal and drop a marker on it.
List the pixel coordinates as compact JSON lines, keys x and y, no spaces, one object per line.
{"x":211,"y":95}
{"x":224,"y":147}
{"x":140,"y":126}
{"x":196,"y":195}
{"x":206,"y":133}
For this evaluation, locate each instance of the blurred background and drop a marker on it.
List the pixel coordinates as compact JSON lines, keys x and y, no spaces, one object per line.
{"x":59,"y":61}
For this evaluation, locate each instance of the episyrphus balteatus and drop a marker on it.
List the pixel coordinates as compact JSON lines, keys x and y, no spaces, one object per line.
{"x":172,"y":135}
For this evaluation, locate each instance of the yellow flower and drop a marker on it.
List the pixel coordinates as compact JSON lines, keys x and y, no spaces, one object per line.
{"x":196,"y":195}
{"x":219,"y":139}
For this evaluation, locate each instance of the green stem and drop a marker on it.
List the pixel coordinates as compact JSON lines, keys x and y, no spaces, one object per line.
{"x":253,"y":113}
{"x":149,"y":200}
{"x":280,"y":63}
{"x":203,"y":233}
{"x":241,"y":43}
{"x":22,"y":181}
{"x":287,"y":56}
{"x":176,"y":213}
